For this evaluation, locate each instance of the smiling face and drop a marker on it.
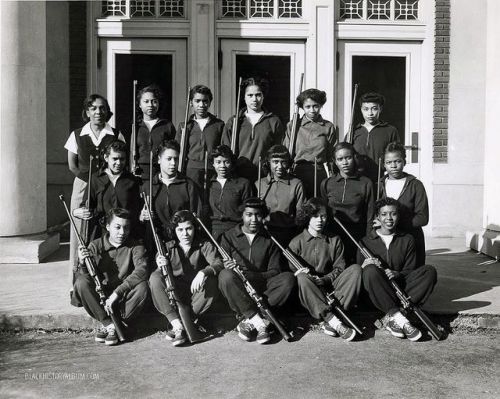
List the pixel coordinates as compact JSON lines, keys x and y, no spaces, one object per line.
{"x":168,"y":161}
{"x":97,"y":112}
{"x":119,"y":230}
{"x":317,"y":222}
{"x":254,"y":98}
{"x":278,"y":167}
{"x":394,"y":164}
{"x":222,"y":166}
{"x":311,"y":109}
{"x":388,"y":216}
{"x":252,"y":220}
{"x":185,"y":233}
{"x":200,"y":104}
{"x":116,"y":161}
{"x":344,"y":160}
{"x":149,"y":105}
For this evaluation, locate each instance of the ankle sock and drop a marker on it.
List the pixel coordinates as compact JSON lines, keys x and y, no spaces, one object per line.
{"x":334,"y":322}
{"x":400,"y":319}
{"x":257,"y":321}
{"x":176,"y":325}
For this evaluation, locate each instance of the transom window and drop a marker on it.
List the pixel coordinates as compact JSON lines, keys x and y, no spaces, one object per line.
{"x":144,"y":8}
{"x":250,"y":9}
{"x":389,"y":10}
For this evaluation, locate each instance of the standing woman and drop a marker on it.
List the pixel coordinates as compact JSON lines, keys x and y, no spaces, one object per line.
{"x":83,"y":143}
{"x":258,"y":129}
{"x":204,"y":132}
{"x":350,"y":197}
{"x":315,"y":139}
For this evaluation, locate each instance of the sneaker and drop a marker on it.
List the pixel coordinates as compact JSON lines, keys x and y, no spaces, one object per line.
{"x":345,"y":332}
{"x":263,"y":335}
{"x":170,"y":335}
{"x":245,"y":330}
{"x":411,"y":332}
{"x":111,"y":338}
{"x":101,"y":334}
{"x":329,"y":330}
{"x":179,"y":337}
{"x":394,"y":328}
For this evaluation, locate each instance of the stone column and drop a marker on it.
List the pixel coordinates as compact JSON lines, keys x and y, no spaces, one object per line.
{"x":23,"y":198}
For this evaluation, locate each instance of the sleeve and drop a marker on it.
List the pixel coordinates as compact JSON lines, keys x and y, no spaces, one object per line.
{"x":299,"y":197}
{"x":359,"y":257}
{"x":370,"y":206}
{"x":213,"y":258}
{"x":410,"y":258}
{"x":332,"y":140}
{"x":139,"y":274}
{"x":226,"y":134}
{"x":279,"y":131}
{"x":395,"y":135}
{"x":170,"y":132}
{"x":323,"y":190}
{"x":286,"y":139}
{"x":421,"y":211}
{"x":247,"y":191}
{"x":195,"y":204}
{"x":71,"y":144}
{"x":296,"y":248}
{"x":178,"y":133}
{"x":94,"y":257}
{"x":225,"y":244}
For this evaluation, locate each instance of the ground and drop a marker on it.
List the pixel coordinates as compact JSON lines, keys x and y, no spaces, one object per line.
{"x":72,"y":365}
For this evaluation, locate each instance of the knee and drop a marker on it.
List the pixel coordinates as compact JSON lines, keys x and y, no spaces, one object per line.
{"x":354,"y":271}
{"x":370,"y":272}
{"x":288,"y":280}
{"x":227,"y":278}
{"x":430,"y":274}
{"x":156,"y":280}
{"x":83,"y":283}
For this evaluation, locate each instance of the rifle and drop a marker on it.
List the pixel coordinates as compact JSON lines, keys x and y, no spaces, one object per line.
{"x":184,"y":137}
{"x":378,"y":178}
{"x":315,"y":177}
{"x":327,"y":169}
{"x":330,"y":297}
{"x":85,"y":223}
{"x":349,"y":134}
{"x":295,"y":118}
{"x":234,"y":131}
{"x":266,"y":312}
{"x":184,"y":311}
{"x":150,"y":179}
{"x":402,"y":296}
{"x":134,"y":167}
{"x":91,"y":268}
{"x":258,"y":178}
{"x":205,"y":180}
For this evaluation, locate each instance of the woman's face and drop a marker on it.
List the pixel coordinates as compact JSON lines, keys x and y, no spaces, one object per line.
{"x":394,"y":164}
{"x":318,"y":222}
{"x":98,"y":112}
{"x":185,"y":233}
{"x":254,"y":98}
{"x":344,"y":160}
{"x":149,"y":105}
{"x":168,"y":161}
{"x":312,"y":109}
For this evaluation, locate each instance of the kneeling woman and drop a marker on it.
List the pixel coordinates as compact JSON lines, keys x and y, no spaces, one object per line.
{"x":322,"y":256}
{"x":195,"y":265}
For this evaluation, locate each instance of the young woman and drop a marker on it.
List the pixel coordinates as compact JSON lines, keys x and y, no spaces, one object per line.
{"x":350,"y":197}
{"x":204,"y":132}
{"x":258,"y":129}
{"x":195,"y":265}
{"x":410,"y":193}
{"x":85,"y":143}
{"x":315,"y":139}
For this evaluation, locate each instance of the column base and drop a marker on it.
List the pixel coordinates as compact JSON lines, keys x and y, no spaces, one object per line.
{"x":28,"y":249}
{"x":486,"y":242}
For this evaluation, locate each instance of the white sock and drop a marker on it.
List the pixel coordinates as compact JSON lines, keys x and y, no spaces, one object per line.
{"x":334,"y":322}
{"x":257,"y":321}
{"x":110,"y":327}
{"x":400,"y":319}
{"x":176,"y":325}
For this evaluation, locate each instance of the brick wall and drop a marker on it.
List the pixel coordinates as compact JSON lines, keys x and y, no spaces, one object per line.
{"x":77,"y":61}
{"x":441,"y":81}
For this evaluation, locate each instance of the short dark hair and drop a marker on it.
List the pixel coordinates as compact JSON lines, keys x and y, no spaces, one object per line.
{"x":168,"y":145}
{"x":396,"y":147}
{"x":387,"y":201}
{"x":152,"y":88}
{"x":343,"y":145}
{"x":117,"y":212}
{"x":256,"y":203}
{"x":201,"y":89}
{"x":314,"y":94}
{"x":180,"y":217}
{"x":117,"y":146}
{"x":262,"y":83}
{"x":278,"y":151}
{"x":372,"y":97}
{"x":223,"y":151}
{"x":311,"y":208}
{"x":87,"y":103}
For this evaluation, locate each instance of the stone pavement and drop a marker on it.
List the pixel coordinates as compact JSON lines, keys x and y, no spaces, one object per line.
{"x":35,"y":296}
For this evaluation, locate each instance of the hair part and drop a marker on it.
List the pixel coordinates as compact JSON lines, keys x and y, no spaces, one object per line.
{"x":372,"y":97}
{"x":117,"y":212}
{"x":313,"y":94}
{"x":201,"y":89}
{"x":87,"y":103}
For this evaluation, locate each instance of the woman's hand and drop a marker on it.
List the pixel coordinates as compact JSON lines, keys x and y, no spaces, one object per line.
{"x":198,"y":282}
{"x":82,"y":213}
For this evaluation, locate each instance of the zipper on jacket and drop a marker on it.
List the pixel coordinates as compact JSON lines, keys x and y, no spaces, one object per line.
{"x":343,"y":193}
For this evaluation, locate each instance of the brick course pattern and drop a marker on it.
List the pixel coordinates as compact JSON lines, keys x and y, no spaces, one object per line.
{"x":441,"y":81}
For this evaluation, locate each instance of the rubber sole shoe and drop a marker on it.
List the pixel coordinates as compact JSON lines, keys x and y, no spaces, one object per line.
{"x":411,"y":332}
{"x":170,"y":335}
{"x":179,"y":338}
{"x":245,"y":330}
{"x":394,"y":328}
{"x":329,"y":330}
{"x":263,"y":335}
{"x":100,"y":335}
{"x":346,"y":333}
{"x":111,"y":338}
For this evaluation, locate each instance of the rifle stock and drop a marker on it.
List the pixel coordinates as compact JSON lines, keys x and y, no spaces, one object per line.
{"x":184,"y":311}
{"x":266,"y":312}
{"x":349,"y":134}
{"x":295,"y":118}
{"x":91,"y":268}
{"x":405,"y":300}
{"x":184,"y":137}
{"x":234,"y":131}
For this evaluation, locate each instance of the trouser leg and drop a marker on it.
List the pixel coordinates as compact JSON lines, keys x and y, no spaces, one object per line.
{"x":279,"y":288}
{"x":159,"y":295}
{"x":232,"y":288}
{"x":420,"y":283}
{"x":312,"y":297}
{"x":203,"y":299}
{"x":379,"y":289}
{"x":134,"y":301}
{"x":347,"y":286}
{"x":84,"y":291}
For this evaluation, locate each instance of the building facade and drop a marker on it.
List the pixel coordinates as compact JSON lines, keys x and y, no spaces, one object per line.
{"x":434,"y":60}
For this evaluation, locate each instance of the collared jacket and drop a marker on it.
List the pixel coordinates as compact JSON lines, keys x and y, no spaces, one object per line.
{"x":323,"y":254}
{"x":200,"y":141}
{"x":283,"y":197}
{"x":314,"y":139}
{"x":225,"y":201}
{"x":400,"y":256}
{"x":260,"y":260}
{"x":120,"y":268}
{"x":253,"y":141}
{"x":147,"y":141}
{"x":202,"y":256}
{"x":371,"y":146}
{"x":351,"y":199}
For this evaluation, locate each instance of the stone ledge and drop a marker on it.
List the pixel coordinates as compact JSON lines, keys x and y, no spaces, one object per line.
{"x":28,"y":249}
{"x":486,"y":242}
